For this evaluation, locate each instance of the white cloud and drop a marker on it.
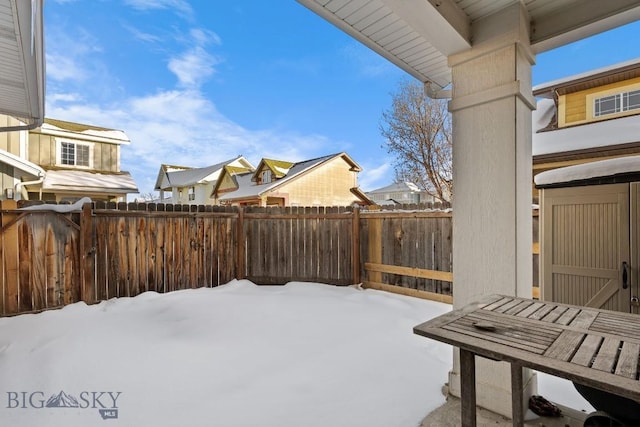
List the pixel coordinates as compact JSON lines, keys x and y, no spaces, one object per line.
{"x":64,"y":97}
{"x":193,"y":67}
{"x":68,"y":55}
{"x":182,"y":127}
{"x":141,"y":35}
{"x":376,"y":176}
{"x":180,"y":6}
{"x":63,"y":67}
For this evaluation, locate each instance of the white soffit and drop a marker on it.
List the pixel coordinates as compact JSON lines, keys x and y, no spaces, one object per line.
{"x":22,"y":61}
{"x":419,"y":35}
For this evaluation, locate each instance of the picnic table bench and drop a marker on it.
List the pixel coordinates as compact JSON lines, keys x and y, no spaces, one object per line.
{"x":597,"y":348}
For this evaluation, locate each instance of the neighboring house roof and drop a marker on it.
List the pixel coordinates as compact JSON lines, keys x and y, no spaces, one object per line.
{"x":550,"y":141}
{"x":248,"y":189}
{"x":590,"y":79}
{"x":22,"y":86}
{"x":86,"y":181}
{"x":280,"y":168}
{"x":597,"y":135}
{"x":180,"y":177}
{"x":21,"y":164}
{"x":83,"y":131}
{"x":397,"y":187}
{"x":619,"y":167}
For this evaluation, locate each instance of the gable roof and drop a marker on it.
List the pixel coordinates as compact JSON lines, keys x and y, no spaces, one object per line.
{"x":246,"y":182}
{"x":181,"y":176}
{"x":397,"y":187}
{"x":280,"y":168}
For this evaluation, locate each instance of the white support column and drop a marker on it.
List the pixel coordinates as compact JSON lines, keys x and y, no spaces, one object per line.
{"x":492,"y":228}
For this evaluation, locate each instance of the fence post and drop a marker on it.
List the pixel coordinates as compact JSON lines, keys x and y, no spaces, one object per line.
{"x":240,"y":274}
{"x":375,"y":248}
{"x":9,"y":260}
{"x":355,"y":247}
{"x":87,"y":254}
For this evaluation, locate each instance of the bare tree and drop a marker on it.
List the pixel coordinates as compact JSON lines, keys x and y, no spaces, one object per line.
{"x":417,"y":130}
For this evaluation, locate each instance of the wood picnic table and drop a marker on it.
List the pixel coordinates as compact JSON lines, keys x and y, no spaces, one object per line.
{"x":597,"y":348}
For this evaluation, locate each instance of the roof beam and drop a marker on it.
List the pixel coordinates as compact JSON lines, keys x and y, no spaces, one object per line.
{"x":441,"y":22}
{"x":571,"y":23}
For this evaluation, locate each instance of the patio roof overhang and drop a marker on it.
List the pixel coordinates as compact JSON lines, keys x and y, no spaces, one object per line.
{"x":419,"y":35}
{"x":22,"y":64}
{"x":490,"y":45}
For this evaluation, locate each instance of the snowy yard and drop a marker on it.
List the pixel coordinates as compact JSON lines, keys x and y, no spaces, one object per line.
{"x":303,"y":354}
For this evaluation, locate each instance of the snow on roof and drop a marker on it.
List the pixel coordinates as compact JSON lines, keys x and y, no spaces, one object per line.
{"x":280,"y":170}
{"x":87,"y":130}
{"x":396,"y":186}
{"x":182,"y":176}
{"x":543,"y":114}
{"x":246,"y":188}
{"x":77,"y":180}
{"x":602,"y":168}
{"x":622,"y":130}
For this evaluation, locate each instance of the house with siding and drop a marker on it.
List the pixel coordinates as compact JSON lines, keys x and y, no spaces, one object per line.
{"x":64,"y":161}
{"x":325,"y":181}
{"x":399,"y":193}
{"x":193,"y":186}
{"x":587,"y":117}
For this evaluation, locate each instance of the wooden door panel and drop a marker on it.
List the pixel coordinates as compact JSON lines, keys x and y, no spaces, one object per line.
{"x":585,"y":239}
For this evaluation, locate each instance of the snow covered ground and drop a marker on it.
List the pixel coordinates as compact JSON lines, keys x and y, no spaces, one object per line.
{"x":302,"y":354}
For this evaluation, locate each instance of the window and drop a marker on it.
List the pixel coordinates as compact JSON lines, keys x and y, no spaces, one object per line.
{"x":631,"y":100}
{"x":74,"y":154}
{"x":617,"y":103}
{"x":192,"y":193}
{"x":265,"y":177}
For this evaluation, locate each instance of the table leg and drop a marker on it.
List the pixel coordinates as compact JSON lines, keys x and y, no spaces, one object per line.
{"x":517,"y":406}
{"x":468,"y":388}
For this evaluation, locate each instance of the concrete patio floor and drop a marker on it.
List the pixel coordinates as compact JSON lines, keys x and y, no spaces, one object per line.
{"x":448,"y":415}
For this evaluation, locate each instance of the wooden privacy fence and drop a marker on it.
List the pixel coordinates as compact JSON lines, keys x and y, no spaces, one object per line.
{"x":49,"y":259}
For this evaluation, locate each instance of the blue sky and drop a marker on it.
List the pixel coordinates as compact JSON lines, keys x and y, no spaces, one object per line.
{"x":194,"y":83}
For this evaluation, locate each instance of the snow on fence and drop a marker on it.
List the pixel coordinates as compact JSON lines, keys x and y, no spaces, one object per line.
{"x":49,"y":259}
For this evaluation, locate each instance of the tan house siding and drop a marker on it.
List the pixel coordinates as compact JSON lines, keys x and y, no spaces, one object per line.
{"x":226,"y":183}
{"x":43,"y":150}
{"x":331,"y":181}
{"x":6,"y":178}
{"x":105,"y":157}
{"x":39,"y":153}
{"x":577,"y":108}
{"x":9,"y":141}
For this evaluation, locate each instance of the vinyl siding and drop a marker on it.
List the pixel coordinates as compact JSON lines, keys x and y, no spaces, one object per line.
{"x":326,"y":185}
{"x":577,"y":108}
